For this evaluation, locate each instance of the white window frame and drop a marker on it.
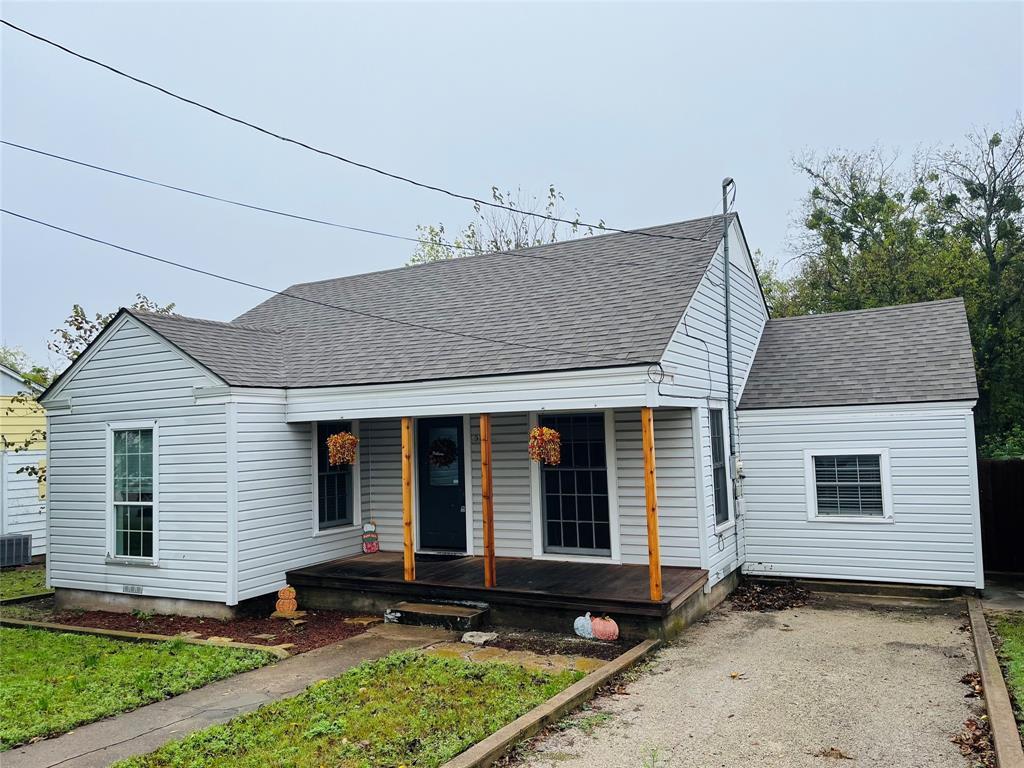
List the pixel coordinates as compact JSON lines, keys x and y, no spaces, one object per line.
{"x":811,"y":487}
{"x":357,"y":495}
{"x":112,"y":557}
{"x":537,"y":503}
{"x":730,"y":483}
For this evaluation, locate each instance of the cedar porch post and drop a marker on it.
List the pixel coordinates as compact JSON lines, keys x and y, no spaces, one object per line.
{"x":487,"y":495}
{"x":409,"y":552}
{"x":651,"y":493}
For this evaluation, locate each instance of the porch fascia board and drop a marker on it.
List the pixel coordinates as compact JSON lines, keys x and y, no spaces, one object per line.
{"x":601,"y":388}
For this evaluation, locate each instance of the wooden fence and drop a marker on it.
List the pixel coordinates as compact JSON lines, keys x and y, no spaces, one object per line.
{"x":1001,"y":488}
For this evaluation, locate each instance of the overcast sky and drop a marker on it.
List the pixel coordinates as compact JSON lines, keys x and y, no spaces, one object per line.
{"x":635,"y":112}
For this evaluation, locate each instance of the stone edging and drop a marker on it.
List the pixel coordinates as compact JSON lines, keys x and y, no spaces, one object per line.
{"x":25,"y":598}
{"x":117,"y":634}
{"x":484,"y":753}
{"x":1005,"y":736}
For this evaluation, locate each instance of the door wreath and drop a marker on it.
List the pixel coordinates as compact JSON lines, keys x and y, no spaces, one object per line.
{"x":442,"y":452}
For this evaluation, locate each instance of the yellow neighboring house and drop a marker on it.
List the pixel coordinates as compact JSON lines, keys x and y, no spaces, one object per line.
{"x":22,"y":424}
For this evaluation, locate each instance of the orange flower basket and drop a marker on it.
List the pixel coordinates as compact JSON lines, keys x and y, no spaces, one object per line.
{"x":341,"y":448}
{"x":545,"y":445}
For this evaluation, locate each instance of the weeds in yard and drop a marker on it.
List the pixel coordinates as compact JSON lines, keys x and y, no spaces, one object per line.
{"x":1009,"y":631}
{"x":405,"y":709}
{"x":52,"y":682}
{"x":19,"y":582}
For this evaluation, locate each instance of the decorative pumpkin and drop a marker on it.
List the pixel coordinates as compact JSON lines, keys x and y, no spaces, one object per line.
{"x":605,"y":628}
{"x":584,"y":627}
{"x":545,"y":445}
{"x":442,"y":452}
{"x":371,"y":543}
{"x":341,"y":448}
{"x":286,"y":602}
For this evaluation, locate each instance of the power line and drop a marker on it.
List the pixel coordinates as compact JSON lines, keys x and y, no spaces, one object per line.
{"x":240,"y":203}
{"x":258,"y":287}
{"x":343,"y":159}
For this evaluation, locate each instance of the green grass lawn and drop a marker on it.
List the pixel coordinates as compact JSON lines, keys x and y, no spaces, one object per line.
{"x":405,"y":709}
{"x":52,"y":682}
{"x":1010,"y":629}
{"x":19,"y":582}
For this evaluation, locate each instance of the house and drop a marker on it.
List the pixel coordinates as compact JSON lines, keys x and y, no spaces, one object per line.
{"x":190,"y":469}
{"x":22,"y":444}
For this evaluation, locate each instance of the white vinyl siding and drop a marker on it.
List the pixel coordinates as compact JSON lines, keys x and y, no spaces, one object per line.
{"x":23,"y":510}
{"x":135,"y":376}
{"x":696,"y":352}
{"x":276,"y":520}
{"x":513,"y":520}
{"x":932,"y":536}
{"x":678,"y":529}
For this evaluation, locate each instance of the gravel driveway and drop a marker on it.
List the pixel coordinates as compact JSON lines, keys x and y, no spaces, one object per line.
{"x":874,"y":681}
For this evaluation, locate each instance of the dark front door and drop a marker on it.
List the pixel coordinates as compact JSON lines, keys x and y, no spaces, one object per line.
{"x":442,"y":488}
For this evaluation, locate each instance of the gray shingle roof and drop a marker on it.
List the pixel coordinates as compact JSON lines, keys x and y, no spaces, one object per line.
{"x":601,"y":301}
{"x":905,"y":354}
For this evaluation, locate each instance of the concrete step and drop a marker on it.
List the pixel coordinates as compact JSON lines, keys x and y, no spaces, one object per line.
{"x":456,"y":616}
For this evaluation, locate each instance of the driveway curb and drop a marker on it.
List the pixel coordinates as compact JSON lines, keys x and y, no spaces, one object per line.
{"x":1005,"y":736}
{"x":141,"y":637}
{"x":484,"y":753}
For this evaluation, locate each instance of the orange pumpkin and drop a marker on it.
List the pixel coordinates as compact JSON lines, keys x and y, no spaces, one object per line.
{"x":605,"y":628}
{"x":287,"y":593}
{"x":286,"y":606}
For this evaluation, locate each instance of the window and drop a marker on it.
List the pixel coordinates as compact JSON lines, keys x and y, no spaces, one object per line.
{"x":718,"y":469}
{"x":575,"y":492}
{"x":133,"y":492}
{"x":334,"y":485}
{"x":848,"y":485}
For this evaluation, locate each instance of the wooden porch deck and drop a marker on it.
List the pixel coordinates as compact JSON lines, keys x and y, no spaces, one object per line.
{"x":523,"y":582}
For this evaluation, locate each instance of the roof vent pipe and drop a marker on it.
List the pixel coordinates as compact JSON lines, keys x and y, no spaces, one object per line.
{"x":727,"y":184}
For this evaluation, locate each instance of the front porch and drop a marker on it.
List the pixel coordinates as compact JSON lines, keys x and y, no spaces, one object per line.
{"x":545,"y":594}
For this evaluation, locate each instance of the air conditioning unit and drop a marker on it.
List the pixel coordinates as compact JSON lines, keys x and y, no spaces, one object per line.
{"x":15,"y":549}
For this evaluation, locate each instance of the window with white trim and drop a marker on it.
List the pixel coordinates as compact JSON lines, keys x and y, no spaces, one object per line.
{"x":721,"y":477}
{"x":133,"y":496}
{"x":849,"y":485}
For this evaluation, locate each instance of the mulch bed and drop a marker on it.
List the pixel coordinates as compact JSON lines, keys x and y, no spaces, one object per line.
{"x":547,"y":643}
{"x":768,"y":596}
{"x":320,"y":628}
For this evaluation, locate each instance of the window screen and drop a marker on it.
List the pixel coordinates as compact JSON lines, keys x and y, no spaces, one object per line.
{"x":133,"y":493}
{"x":575,"y":491}
{"x":334,"y":484}
{"x":718,"y":468}
{"x":849,"y":485}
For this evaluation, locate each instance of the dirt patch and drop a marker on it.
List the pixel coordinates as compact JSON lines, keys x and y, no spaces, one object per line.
{"x":768,"y":596}
{"x":318,"y":628}
{"x":550,"y":644}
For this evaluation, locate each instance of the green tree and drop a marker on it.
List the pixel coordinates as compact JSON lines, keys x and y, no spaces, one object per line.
{"x":16,"y":359}
{"x":78,"y":330}
{"x":949,"y":223}
{"x":499,"y":229}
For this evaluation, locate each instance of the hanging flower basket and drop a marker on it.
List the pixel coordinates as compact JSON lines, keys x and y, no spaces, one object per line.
{"x":442,"y":452}
{"x":545,"y":445}
{"x":341,"y":448}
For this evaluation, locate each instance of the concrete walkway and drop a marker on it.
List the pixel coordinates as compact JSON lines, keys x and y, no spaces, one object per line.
{"x":1003,"y":593}
{"x":145,"y":729}
{"x":876,"y":681}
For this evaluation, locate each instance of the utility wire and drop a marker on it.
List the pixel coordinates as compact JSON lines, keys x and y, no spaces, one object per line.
{"x":343,"y":159}
{"x":258,"y":287}
{"x":250,"y":206}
